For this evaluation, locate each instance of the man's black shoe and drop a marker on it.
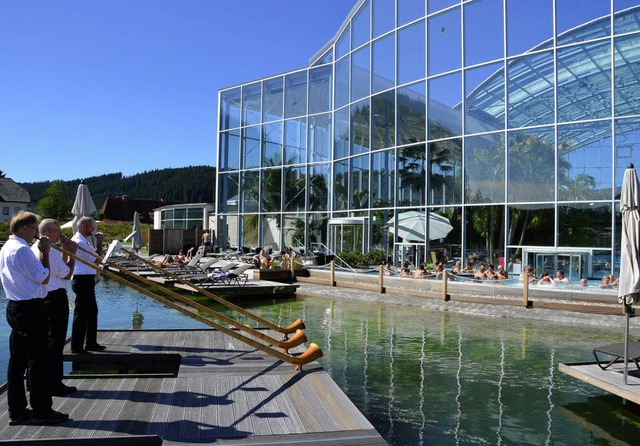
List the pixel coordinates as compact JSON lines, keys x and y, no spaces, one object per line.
{"x":79,"y":351}
{"x":95,"y":348}
{"x":23,"y":418}
{"x":50,"y":417}
{"x":63,"y":390}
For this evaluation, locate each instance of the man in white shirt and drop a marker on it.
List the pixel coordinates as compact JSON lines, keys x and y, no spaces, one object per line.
{"x":56,"y":303}
{"x":24,"y":278}
{"x":84,"y":329}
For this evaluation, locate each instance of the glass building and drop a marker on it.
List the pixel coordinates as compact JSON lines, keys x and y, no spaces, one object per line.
{"x":484,"y":130}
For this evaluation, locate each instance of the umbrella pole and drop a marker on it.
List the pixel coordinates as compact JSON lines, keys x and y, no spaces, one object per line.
{"x":626,"y":346}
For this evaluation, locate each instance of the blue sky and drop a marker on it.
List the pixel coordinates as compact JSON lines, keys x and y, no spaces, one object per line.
{"x":95,"y":87}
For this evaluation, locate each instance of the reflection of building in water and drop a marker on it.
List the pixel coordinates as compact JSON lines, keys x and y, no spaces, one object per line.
{"x":513,"y":123}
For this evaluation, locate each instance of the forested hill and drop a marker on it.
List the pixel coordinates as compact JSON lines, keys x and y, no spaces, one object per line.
{"x":193,"y":184}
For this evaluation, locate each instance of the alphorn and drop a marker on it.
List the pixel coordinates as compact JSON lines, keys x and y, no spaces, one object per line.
{"x":298,"y":338}
{"x":312,"y":353}
{"x":293,"y":328}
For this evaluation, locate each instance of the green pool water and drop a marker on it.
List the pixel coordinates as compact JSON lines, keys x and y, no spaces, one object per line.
{"x":433,"y":378}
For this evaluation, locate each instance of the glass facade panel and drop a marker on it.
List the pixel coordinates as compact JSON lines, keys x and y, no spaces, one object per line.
{"x":317,"y":236}
{"x":360,"y":127}
{"x":483,"y":28}
{"x":360,"y":26}
{"x":410,"y":10}
{"x":320,"y":91}
{"x":383,"y":171}
{"x":572,"y":13}
{"x":445,"y":42}
{"x":230,"y":150}
{"x":412,"y":175}
{"x":627,"y":73}
{"x":272,"y":94}
{"x":484,"y":99}
{"x":627,"y":148}
{"x":325,"y":58}
{"x":445,"y":113}
{"x":295,"y":95}
{"x":585,"y":225}
{"x":532,"y":225}
{"x":251,"y":104}
{"x":230,"y":109}
{"x":341,"y":134}
{"x":294,"y":189}
{"x":528,"y":27}
{"x":359,"y":182}
{"x":383,"y":128}
{"x":383,"y":73}
{"x":319,"y":180}
{"x":228,"y":189}
{"x":584,"y":82}
{"x":531,"y":165}
{"x":445,"y":172}
{"x":360,"y":73}
{"x":484,"y":235}
{"x":250,"y":231}
{"x":342,"y":82}
{"x":340,"y":185}
{"x":295,"y":141}
{"x":530,"y":90}
{"x":412,"y":114}
{"x":344,"y":42}
{"x":250,"y":147}
{"x":584,"y":162}
{"x":271,"y":190}
{"x":484,"y":163}
{"x":437,"y":5}
{"x":383,"y":16}
{"x":626,"y":18}
{"x":249,"y":189}
{"x":272,"y":144}
{"x":411,"y":53}
{"x":319,"y":138}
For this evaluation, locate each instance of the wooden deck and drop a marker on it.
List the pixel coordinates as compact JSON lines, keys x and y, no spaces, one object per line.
{"x":225,"y":393}
{"x":610,"y":380}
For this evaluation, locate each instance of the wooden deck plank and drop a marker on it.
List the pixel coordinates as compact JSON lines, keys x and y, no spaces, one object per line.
{"x":610,"y":380}
{"x":226,"y":392}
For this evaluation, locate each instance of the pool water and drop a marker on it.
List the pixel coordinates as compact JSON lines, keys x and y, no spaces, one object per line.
{"x":425,"y":377}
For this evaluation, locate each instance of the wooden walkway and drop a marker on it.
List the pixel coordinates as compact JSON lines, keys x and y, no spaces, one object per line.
{"x":225,"y":392}
{"x":610,"y":380}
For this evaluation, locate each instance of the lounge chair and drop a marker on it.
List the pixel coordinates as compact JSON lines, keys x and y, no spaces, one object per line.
{"x":238,"y":274}
{"x":616,"y":354}
{"x":221,"y":276}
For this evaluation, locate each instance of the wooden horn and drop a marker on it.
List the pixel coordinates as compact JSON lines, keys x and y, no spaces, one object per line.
{"x":298,"y":338}
{"x":312,"y":353}
{"x":299,"y":360}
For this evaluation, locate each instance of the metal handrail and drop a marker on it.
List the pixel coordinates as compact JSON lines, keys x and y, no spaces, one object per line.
{"x":337,"y":257}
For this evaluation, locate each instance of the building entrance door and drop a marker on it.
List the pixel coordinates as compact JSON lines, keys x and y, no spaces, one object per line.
{"x":348,"y":234}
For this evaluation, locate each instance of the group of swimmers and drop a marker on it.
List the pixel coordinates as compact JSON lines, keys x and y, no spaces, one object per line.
{"x":487,"y":272}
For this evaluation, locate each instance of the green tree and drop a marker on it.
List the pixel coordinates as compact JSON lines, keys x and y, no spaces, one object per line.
{"x":54,"y":204}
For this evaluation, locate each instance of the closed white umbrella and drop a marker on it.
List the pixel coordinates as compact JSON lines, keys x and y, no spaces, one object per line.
{"x":412,"y":227}
{"x":136,"y":236}
{"x":629,"y":283}
{"x":83,"y":206}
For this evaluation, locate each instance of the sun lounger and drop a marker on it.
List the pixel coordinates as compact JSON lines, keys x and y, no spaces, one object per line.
{"x":615,"y":353}
{"x":238,"y":274}
{"x":220,"y":276}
